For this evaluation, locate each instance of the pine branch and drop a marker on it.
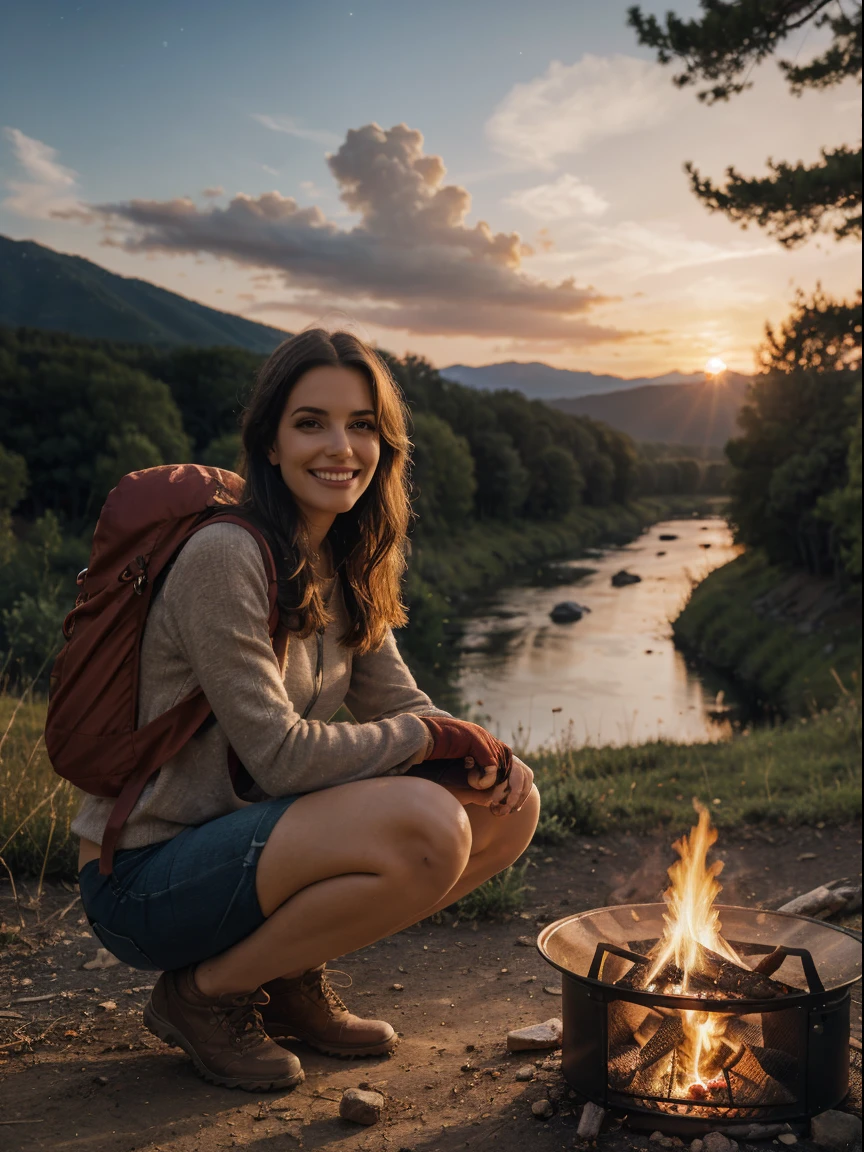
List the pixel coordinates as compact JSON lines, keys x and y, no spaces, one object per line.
{"x":795,"y":201}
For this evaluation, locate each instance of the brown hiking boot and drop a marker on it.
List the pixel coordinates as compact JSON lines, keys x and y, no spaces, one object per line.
{"x":307,"y":1008}
{"x":222,"y":1035}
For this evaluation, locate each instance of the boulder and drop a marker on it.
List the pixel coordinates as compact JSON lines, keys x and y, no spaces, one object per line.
{"x":567,"y":612}
{"x":623,"y":578}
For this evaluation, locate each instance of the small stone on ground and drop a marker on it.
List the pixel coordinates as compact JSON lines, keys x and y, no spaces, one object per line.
{"x":717,"y":1142}
{"x":526,"y":1072}
{"x":361,"y":1107}
{"x":536,"y":1037}
{"x":836,"y":1130}
{"x":543,"y":1109}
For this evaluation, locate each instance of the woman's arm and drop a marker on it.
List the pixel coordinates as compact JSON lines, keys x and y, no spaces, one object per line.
{"x":216,"y":596}
{"x":382,"y":686}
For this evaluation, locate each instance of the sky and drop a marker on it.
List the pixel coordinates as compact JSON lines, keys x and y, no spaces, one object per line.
{"x":468,"y":180}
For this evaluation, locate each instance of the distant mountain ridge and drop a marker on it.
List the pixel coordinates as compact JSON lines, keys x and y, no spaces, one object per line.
{"x":703,"y":414}
{"x":540,"y":381}
{"x":41,"y":288}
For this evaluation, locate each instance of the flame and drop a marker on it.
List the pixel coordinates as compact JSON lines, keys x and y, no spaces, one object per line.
{"x":693,"y":923}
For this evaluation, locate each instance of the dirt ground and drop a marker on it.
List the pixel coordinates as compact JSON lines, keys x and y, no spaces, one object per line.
{"x":79,"y":1072}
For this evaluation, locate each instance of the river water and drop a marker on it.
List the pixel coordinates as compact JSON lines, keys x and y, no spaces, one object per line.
{"x":613,"y":677}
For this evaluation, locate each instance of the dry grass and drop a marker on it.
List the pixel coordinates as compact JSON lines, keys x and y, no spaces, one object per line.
{"x":36,"y":806}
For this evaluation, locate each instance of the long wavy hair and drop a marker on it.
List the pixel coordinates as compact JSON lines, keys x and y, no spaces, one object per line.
{"x":369,"y":542}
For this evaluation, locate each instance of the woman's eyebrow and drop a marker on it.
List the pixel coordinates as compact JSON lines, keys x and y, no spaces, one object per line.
{"x":324,"y":412}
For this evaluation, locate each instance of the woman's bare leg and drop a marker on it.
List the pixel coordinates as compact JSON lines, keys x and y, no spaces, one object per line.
{"x":342,"y":868}
{"x":496,"y":842}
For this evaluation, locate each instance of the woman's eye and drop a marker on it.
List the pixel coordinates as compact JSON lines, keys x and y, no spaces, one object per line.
{"x":364,"y":426}
{"x":307,"y":424}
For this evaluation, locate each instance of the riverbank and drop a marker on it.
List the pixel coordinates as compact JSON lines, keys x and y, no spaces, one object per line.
{"x":445,"y":575}
{"x":792,"y":641}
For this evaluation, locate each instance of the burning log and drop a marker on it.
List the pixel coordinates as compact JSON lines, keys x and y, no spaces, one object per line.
{"x":749,"y":1083}
{"x":623,"y":1065}
{"x":731,"y":980}
{"x":667,"y":1037}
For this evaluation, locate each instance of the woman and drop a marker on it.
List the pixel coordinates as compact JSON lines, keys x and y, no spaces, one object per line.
{"x":241,"y":904}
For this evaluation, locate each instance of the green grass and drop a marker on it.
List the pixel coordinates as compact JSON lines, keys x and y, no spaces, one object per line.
{"x":803,"y":772}
{"x":726,"y":624}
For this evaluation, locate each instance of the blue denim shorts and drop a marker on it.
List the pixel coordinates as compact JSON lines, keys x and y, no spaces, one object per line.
{"x":182,"y":900}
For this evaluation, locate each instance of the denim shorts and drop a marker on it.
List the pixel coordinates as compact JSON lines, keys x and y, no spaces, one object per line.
{"x":182,"y":900}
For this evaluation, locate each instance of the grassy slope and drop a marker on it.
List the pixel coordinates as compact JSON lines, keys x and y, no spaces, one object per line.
{"x":777,"y":662}
{"x":806,"y":771}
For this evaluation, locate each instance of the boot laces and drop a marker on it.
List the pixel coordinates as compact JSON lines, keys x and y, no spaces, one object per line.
{"x":241,"y":1020}
{"x":331,"y":997}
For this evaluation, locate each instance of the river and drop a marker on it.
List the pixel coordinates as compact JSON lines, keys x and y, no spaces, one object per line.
{"x":613,"y":677}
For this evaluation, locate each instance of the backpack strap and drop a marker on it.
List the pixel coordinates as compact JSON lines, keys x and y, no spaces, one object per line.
{"x":157,"y":742}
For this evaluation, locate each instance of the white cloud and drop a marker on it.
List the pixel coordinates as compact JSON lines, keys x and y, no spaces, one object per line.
{"x":50,"y":191}
{"x":573,"y":106}
{"x":291,"y":127}
{"x":631,"y":250}
{"x":564,"y":198}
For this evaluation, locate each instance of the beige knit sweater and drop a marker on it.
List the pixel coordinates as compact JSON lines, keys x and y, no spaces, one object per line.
{"x":208,"y":625}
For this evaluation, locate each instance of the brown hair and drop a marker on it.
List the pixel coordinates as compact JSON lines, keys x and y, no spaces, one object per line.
{"x":368,"y":543}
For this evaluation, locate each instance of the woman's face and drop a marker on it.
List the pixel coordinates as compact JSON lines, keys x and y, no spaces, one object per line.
{"x":327,"y":445}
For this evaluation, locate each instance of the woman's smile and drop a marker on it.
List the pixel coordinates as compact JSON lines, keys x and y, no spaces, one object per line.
{"x":342,"y":477}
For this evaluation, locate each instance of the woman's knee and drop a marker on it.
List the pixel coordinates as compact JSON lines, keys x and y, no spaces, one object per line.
{"x":434,"y":835}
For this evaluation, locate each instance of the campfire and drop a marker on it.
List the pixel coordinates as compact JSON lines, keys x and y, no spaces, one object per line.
{"x":688,"y":1013}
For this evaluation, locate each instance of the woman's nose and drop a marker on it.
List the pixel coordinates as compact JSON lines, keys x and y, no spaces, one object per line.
{"x":340,"y":444}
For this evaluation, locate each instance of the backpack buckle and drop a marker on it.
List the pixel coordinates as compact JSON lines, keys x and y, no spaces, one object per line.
{"x":137,"y":573}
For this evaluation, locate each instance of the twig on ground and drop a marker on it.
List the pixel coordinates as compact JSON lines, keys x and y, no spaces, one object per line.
{"x":36,"y":1039}
{"x":14,"y":891}
{"x":826,"y":900}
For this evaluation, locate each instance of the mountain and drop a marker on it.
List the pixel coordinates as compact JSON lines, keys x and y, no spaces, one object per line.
{"x":703,"y":414}
{"x":540,"y":381}
{"x":41,"y":288}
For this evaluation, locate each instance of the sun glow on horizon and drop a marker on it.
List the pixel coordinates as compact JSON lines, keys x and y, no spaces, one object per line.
{"x":715,"y":366}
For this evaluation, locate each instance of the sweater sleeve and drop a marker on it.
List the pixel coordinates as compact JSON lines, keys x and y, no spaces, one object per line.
{"x":216,"y":596}
{"x":382,"y":686}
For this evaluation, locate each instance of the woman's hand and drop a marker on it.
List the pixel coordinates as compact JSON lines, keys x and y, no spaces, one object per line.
{"x":500,"y":799}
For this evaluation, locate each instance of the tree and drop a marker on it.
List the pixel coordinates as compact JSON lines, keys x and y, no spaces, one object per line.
{"x":721,"y":48}
{"x":443,"y":474}
{"x":556,"y":484}
{"x":795,"y":449}
{"x":13,"y":479}
{"x":502,"y":480}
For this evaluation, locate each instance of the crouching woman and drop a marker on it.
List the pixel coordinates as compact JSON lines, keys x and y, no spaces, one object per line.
{"x":347,"y":838}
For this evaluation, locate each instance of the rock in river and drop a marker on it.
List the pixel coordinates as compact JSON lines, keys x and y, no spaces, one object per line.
{"x":622,"y":578}
{"x":567,"y":612}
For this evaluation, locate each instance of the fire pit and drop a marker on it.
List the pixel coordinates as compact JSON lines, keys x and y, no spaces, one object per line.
{"x":690,"y":1016}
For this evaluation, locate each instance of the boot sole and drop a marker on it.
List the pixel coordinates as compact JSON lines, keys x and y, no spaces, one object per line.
{"x":335,"y":1049}
{"x":170,"y":1035}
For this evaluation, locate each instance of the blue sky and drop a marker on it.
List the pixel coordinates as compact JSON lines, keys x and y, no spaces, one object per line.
{"x":187,"y":143}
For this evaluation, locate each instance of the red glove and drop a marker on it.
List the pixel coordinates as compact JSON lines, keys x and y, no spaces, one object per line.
{"x":459,"y":738}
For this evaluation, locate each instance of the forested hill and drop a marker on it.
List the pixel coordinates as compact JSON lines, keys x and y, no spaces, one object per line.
{"x":41,"y":288}
{"x":705,"y":414}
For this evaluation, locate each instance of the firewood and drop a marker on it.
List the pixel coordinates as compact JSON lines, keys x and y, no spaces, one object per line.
{"x":720,"y":975}
{"x":668,"y":1036}
{"x":826,"y":900}
{"x":749,"y":1083}
{"x":623,"y":1065}
{"x":668,"y":977}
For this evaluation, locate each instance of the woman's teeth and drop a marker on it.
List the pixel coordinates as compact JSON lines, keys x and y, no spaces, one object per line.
{"x":332,"y":475}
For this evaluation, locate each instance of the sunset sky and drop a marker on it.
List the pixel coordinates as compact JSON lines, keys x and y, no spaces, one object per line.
{"x":472,"y":180}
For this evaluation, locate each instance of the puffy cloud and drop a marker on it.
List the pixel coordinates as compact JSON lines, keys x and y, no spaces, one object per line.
{"x":562,"y":199}
{"x":50,"y":190}
{"x":213,"y":193}
{"x":573,"y":106}
{"x":411,"y":262}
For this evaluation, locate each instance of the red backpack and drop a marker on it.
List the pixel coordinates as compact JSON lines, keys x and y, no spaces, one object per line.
{"x":91,"y":732}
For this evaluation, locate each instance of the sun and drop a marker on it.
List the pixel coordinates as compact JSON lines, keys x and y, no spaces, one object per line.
{"x":715,"y":366}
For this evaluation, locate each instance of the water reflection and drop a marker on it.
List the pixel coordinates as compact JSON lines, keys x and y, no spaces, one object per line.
{"x":613,"y":677}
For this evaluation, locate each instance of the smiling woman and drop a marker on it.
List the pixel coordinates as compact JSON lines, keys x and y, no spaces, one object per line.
{"x":275,"y":839}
